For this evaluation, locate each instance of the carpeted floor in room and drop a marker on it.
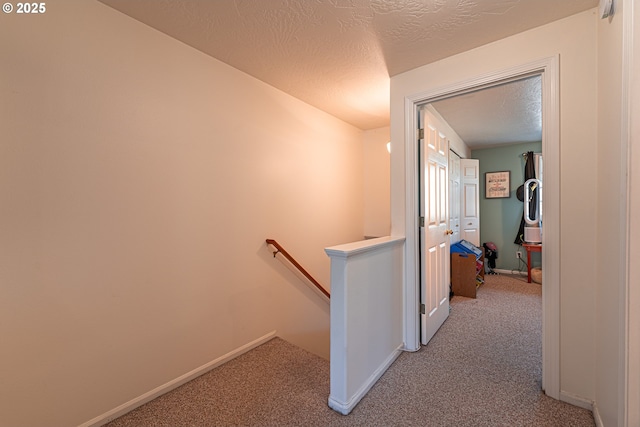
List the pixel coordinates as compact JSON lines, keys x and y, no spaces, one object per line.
{"x":482,"y":368}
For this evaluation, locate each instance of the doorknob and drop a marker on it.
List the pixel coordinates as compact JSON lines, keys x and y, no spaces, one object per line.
{"x":448,"y":232}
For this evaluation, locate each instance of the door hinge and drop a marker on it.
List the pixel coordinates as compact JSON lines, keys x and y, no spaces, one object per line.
{"x":421,"y":221}
{"x":420,"y":133}
{"x":423,"y":309}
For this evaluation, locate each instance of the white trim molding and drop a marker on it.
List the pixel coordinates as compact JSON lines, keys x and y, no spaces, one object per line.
{"x":576,"y":400}
{"x":629,"y":373}
{"x":548,"y":68}
{"x":596,"y":416}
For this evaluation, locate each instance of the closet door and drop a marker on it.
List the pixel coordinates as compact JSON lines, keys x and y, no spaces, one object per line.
{"x":470,"y":202}
{"x":455,"y":197}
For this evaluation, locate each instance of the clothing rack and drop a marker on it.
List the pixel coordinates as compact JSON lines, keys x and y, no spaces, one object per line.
{"x":525,"y":154}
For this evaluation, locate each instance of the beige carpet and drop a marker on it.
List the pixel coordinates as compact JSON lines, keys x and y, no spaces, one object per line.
{"x":483,"y":368}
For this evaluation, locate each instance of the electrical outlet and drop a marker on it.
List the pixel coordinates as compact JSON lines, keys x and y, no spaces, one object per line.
{"x":519,"y":254}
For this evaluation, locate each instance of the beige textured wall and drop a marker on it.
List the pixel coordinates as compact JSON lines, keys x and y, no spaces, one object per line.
{"x":138,"y":181}
{"x":574,"y":39}
{"x":377,"y":181}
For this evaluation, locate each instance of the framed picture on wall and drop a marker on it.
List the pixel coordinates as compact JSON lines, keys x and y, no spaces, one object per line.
{"x":496,"y":185}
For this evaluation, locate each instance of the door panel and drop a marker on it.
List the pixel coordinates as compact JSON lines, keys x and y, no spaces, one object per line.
{"x":454,"y":197}
{"x":470,"y":216}
{"x":434,"y":245}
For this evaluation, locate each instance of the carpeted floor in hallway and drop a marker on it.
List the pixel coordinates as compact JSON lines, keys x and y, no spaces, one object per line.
{"x":482,"y":368}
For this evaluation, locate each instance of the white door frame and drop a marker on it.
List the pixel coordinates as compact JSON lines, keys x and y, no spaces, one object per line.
{"x":629,"y":373}
{"x":548,"y":69}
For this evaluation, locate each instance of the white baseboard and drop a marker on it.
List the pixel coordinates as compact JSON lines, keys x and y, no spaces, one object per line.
{"x":175,"y":383}
{"x":346,"y":407}
{"x":596,"y":416}
{"x":576,"y":400}
{"x":501,"y":271}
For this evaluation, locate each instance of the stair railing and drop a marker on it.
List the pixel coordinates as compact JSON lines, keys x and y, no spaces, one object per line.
{"x":281,"y":250}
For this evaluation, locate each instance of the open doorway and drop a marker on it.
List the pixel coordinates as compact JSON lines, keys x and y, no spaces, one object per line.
{"x":547,"y":69}
{"x":499,"y":125}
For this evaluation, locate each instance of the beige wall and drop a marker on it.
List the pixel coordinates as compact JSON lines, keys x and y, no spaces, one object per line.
{"x":574,"y":40}
{"x":377,"y":165}
{"x":138,"y":181}
{"x":610,"y":215}
{"x":618,"y":354}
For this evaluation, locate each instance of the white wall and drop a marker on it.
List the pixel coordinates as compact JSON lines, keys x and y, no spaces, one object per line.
{"x":574,"y":39}
{"x":138,"y":181}
{"x":377,"y":181}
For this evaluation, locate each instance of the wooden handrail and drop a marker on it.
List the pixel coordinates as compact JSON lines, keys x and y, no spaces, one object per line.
{"x":280,"y":249}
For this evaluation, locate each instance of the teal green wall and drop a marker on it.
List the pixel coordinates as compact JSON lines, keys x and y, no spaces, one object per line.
{"x":500,"y":218}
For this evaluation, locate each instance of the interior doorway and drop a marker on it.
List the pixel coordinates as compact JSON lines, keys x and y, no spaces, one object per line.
{"x":547,"y":69}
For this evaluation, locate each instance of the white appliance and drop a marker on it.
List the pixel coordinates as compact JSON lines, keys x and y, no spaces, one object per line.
{"x":533,"y":220}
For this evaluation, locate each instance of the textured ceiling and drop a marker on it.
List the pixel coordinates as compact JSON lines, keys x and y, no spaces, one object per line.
{"x":338,"y":54}
{"x":506,"y":114}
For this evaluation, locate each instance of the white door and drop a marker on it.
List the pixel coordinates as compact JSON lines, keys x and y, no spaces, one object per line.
{"x":470,"y":220}
{"x":454,"y":196}
{"x":434,"y":232}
